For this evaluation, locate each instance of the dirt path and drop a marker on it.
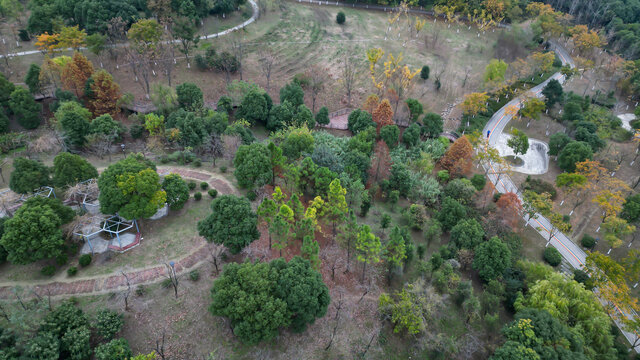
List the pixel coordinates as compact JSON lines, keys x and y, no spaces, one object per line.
{"x":106,"y":283}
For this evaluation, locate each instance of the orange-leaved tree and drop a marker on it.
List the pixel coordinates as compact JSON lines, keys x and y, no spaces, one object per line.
{"x":371,"y":104}
{"x":458,"y":158}
{"x":47,"y":43}
{"x":383,"y":115}
{"x":474,"y":103}
{"x":509,"y":209}
{"x":76,"y":73}
{"x":106,"y":94}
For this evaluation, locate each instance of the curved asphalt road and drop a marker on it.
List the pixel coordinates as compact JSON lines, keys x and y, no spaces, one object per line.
{"x":254,"y":16}
{"x":571,"y":252}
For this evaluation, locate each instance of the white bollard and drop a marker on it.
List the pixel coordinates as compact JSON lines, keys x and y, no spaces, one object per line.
{"x":598,"y":229}
{"x":571,"y":213}
{"x":609,"y":252}
{"x":561,"y":202}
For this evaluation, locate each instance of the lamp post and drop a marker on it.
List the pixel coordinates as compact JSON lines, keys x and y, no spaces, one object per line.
{"x":123,"y":152}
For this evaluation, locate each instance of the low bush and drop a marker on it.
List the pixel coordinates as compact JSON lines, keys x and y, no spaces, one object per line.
{"x":252,"y":196}
{"x":141,"y":290}
{"x":166,"y":283}
{"x":194,"y":275}
{"x":223,"y":169}
{"x":197,"y":163}
{"x":588,"y":241}
{"x":72,"y":271}
{"x":341,"y":18}
{"x":197,"y":196}
{"x":84,"y":260}
{"x":191,"y":185}
{"x":62,"y":259}
{"x":539,"y":186}
{"x":136,"y":131}
{"x":204,"y":185}
{"x":213,"y":193}
{"x":552,"y":256}
{"x":48,"y":270}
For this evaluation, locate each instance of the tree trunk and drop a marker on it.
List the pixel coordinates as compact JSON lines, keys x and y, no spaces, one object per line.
{"x":364,"y":267}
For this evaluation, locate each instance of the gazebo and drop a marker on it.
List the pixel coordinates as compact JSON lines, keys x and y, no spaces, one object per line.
{"x":115,"y":225}
{"x":88,"y":228}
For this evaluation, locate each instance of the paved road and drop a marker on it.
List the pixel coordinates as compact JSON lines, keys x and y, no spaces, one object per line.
{"x":254,"y":16}
{"x":571,"y":252}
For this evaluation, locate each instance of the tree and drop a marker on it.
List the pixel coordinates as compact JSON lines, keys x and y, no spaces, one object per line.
{"x":460,"y":189}
{"x":369,"y":247}
{"x":557,"y":142}
{"x":25,"y":108}
{"x":541,"y":203}
{"x":70,"y":169}
{"x":232,"y":223}
{"x":322,"y":117}
{"x":615,"y":229}
{"x":336,"y":204}
{"x":518,"y":142}
{"x":400,"y":179}
{"x":266,"y":212}
{"x":340,"y":18}
{"x":114,"y":349}
{"x":186,"y":32}
{"x":411,"y":135}
{"x":189,"y":96}
{"x":509,"y":209}
{"x":457,"y":159}
{"x":450,"y":213}
{"x":432,"y":125}
{"x":297,"y":142}
{"x":34,"y":233}
{"x":293,"y":93}
{"x":572,"y":153}
{"x":105,"y":94}
{"x":280,"y":227}
{"x":494,"y":72}
{"x":128,"y":189}
{"x":390,"y":135}
{"x":492,"y":258}
{"x":394,"y":253}
{"x":532,"y":107}
{"x":359,"y":120}
{"x":177,"y":191}
{"x":424,"y":72}
{"x":28,"y":175}
{"x":467,"y":234}
{"x":75,"y":73}
{"x":553,"y":93}
{"x":144,"y":36}
{"x":415,"y":109}
{"x":73,"y":119}
{"x":301,"y":287}
{"x":383,"y":115}
{"x":71,"y":37}
{"x":474,"y":103}
{"x":253,"y":166}
{"x":109,"y":323}
{"x":32,"y":79}
{"x":260,"y":298}
{"x":631,"y":208}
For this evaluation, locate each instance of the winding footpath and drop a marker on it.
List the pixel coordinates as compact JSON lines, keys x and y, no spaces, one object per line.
{"x":571,"y":252}
{"x":253,"y":18}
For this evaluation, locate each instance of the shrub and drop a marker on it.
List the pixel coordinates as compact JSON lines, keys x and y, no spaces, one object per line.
{"x":251,"y":195}
{"x":84,"y":260}
{"x":72,"y":271}
{"x":108,"y":323}
{"x":341,"y":18}
{"x":552,"y":256}
{"x":164,"y":159}
{"x":421,"y":251}
{"x":140,"y":290}
{"x":197,"y":163}
{"x":48,"y":270}
{"x":588,"y":241}
{"x":191,"y":185}
{"x":539,"y":186}
{"x":223,"y":169}
{"x":204,"y":185}
{"x":213,"y":193}
{"x":166,"y":283}
{"x":497,"y":196}
{"x":194,"y":275}
{"x":416,"y":216}
{"x":136,"y":131}
{"x":581,"y":276}
{"x":197,"y":196}
{"x":62,"y":259}
{"x":443,"y":176}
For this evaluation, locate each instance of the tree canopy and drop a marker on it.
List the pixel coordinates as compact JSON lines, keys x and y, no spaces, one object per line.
{"x":70,"y":169}
{"x":177,"y":191}
{"x":28,"y":175}
{"x":253,"y":165}
{"x":232,"y":223}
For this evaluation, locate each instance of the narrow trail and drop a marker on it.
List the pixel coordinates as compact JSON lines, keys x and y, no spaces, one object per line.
{"x":106,"y":283}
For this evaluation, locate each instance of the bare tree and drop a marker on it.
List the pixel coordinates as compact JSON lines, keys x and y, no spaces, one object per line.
{"x":160,"y":345}
{"x":231,"y":145}
{"x":317,"y":77}
{"x":127,"y":292}
{"x":213,"y":147}
{"x":100,"y":145}
{"x":349,"y":72}
{"x":267,"y":60}
{"x":167,"y":52}
{"x":141,"y":67}
{"x":173,"y":277}
{"x":237,"y":48}
{"x":336,"y":318}
{"x":116,"y":33}
{"x":216,"y":251}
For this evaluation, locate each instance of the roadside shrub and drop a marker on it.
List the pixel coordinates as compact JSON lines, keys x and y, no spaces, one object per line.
{"x":194,"y":275}
{"x":252,"y":196}
{"x":72,"y":271}
{"x":539,"y":186}
{"x":213,"y":193}
{"x":48,"y":270}
{"x":204,"y":185}
{"x":552,"y":256}
{"x":136,"y":131}
{"x":191,"y":185}
{"x":340,"y":18}
{"x":84,"y":260}
{"x":197,"y":196}
{"x":497,"y":196}
{"x":581,"y":277}
{"x":588,"y":241}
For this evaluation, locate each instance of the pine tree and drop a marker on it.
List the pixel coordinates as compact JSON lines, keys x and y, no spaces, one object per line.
{"x":336,"y":203}
{"x":369,"y":248}
{"x":383,"y":115}
{"x":76,"y":73}
{"x":106,"y":94}
{"x":310,"y":250}
{"x":280,"y":227}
